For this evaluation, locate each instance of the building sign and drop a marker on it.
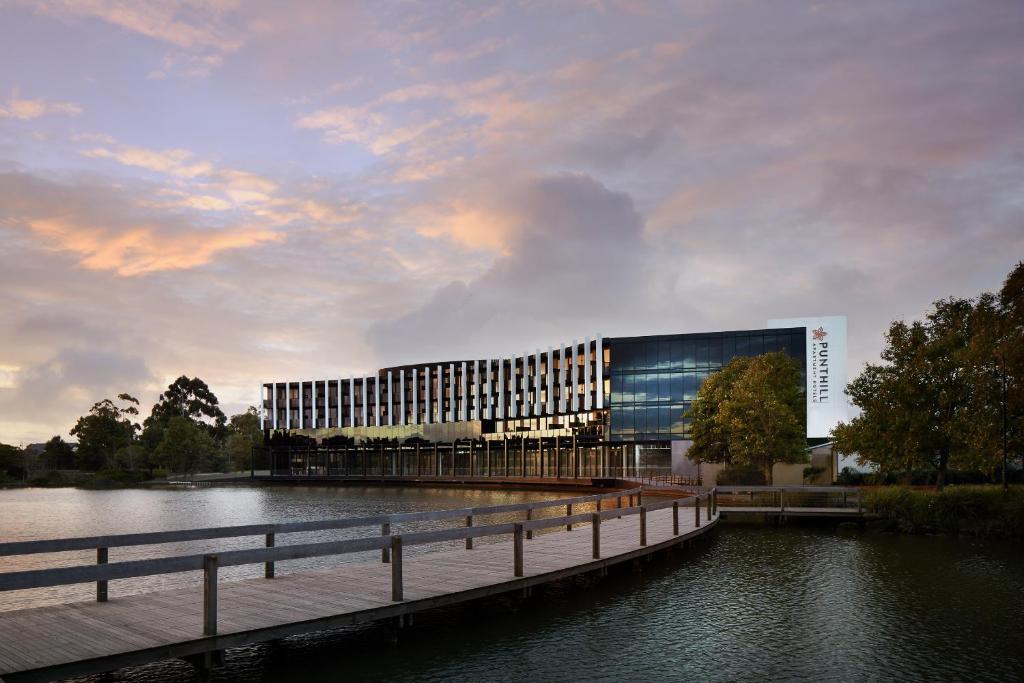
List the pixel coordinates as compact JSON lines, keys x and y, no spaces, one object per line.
{"x":818,"y":366}
{"x":826,"y":371}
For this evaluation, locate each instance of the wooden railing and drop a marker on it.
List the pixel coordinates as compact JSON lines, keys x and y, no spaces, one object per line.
{"x":789,"y":497}
{"x":389,"y":544}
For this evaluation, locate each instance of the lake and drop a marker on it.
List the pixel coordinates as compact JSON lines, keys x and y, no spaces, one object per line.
{"x":752,"y":603}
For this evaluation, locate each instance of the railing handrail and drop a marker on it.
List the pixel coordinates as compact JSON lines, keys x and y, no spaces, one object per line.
{"x":42,"y":578}
{"x":159,"y":537}
{"x":788,"y":488}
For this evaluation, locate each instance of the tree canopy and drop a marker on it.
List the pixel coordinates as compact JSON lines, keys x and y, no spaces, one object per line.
{"x":751,"y":414}
{"x":187,"y":397}
{"x":936,"y":400}
{"x":107,"y":428}
{"x":58,"y":454}
{"x":244,"y":433}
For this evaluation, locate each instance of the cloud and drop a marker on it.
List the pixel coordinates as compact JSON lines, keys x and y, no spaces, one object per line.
{"x":187,"y":65}
{"x":369,"y":168}
{"x":172,"y":161}
{"x":27,"y":109}
{"x":107,"y":231}
{"x":188,"y":24}
{"x":476,"y":50}
{"x":64,"y":385}
{"x":574,"y":258}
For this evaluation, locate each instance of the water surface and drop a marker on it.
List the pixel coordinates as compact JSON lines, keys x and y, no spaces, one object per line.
{"x":753,"y":603}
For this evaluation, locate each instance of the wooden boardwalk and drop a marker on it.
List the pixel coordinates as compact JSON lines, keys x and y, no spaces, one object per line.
{"x":89,"y":637}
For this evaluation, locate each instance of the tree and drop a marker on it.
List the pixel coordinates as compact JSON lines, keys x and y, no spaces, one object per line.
{"x":189,"y":398}
{"x":12,"y":462}
{"x":933,"y":403}
{"x":103,"y":431}
{"x":1010,"y":351}
{"x":186,"y":447}
{"x":243,"y":434}
{"x":751,"y":414}
{"x":708,"y":431}
{"x":58,"y":454}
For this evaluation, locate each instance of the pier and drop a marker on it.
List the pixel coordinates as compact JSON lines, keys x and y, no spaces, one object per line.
{"x":477,"y":560}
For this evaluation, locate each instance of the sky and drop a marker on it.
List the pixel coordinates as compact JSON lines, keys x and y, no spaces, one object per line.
{"x":263,"y":191}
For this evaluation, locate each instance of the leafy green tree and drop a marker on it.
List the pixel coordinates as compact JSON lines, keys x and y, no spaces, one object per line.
{"x":187,"y":447}
{"x":243,"y":434}
{"x":186,"y":397}
{"x":709,"y":433}
{"x":58,"y":454}
{"x":103,"y":431}
{"x":751,"y":414}
{"x":932,"y":403}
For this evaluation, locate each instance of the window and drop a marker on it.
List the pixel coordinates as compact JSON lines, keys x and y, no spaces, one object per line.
{"x":664,"y":419}
{"x":689,"y":386}
{"x":675,"y":392}
{"x":651,"y":355}
{"x":664,"y":355}
{"x":715,"y":352}
{"x":728,"y":349}
{"x":664,"y":392}
{"x":702,"y":353}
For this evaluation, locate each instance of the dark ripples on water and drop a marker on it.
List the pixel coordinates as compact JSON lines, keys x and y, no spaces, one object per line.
{"x":752,"y":604}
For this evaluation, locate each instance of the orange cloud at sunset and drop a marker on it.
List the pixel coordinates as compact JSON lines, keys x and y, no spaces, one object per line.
{"x":143,"y":250}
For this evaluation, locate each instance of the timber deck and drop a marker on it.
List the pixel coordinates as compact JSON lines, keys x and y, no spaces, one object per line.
{"x":89,"y":637}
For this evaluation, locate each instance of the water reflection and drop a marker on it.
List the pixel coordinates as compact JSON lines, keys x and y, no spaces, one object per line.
{"x":753,"y":604}
{"x":27,"y":514}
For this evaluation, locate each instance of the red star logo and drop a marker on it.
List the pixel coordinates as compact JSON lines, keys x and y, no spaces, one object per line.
{"x":819,"y":334}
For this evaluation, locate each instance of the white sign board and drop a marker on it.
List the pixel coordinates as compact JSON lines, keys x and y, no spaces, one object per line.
{"x":826,"y":371}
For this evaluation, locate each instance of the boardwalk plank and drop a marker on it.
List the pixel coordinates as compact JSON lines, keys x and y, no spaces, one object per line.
{"x":57,"y":635}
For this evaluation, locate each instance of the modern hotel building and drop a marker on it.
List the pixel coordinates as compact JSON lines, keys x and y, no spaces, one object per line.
{"x":627,"y":389}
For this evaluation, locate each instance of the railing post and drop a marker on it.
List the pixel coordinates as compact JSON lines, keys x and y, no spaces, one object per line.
{"x":469,"y":539}
{"x":709,"y":506}
{"x":696,"y":511}
{"x":101,"y":586}
{"x":568,"y":513}
{"x":714,"y":501}
{"x":268,"y":567}
{"x":643,"y":525}
{"x":675,"y":518}
{"x":385,"y":554}
{"x":782,"y":500}
{"x":598,"y":504}
{"x":595,"y":527}
{"x":210,"y":595}
{"x":529,"y":516}
{"x":396,"y":569}
{"x":640,"y":497}
{"x":517,"y":550}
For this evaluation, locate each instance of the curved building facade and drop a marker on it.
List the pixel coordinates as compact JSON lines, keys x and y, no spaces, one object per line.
{"x":610,"y":388}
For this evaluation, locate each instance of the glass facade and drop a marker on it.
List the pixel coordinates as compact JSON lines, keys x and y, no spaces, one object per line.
{"x":654,"y":380}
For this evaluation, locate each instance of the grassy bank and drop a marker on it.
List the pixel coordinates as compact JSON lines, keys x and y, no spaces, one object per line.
{"x":985,"y":511}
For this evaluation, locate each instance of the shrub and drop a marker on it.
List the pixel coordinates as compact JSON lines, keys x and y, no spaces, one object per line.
{"x":851,"y":477}
{"x":51,"y":479}
{"x":112,"y":479}
{"x":972,"y":510}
